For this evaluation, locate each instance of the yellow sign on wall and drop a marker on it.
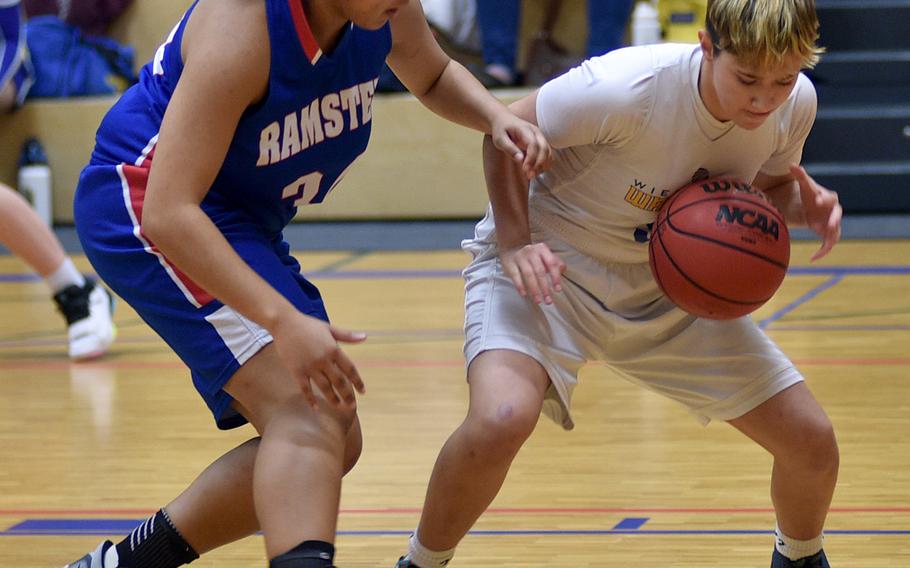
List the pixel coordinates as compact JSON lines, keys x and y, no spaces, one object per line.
{"x":681,"y":19}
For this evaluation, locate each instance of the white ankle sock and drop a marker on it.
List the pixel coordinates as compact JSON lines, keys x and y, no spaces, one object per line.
{"x":65,"y":275}
{"x":426,"y":558}
{"x":796,"y":549}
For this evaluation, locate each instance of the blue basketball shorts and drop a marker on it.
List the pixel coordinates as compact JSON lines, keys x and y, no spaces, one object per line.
{"x":211,"y":338}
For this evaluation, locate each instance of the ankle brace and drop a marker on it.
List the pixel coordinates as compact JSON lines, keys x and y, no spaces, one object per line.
{"x":308,"y":554}
{"x":156,"y":543}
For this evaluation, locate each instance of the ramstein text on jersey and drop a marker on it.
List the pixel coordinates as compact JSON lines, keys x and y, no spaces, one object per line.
{"x":322,"y":118}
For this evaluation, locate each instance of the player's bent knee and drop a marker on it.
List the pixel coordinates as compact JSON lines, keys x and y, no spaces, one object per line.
{"x":504,"y":427}
{"x":301,"y":426}
{"x":825,"y":454}
{"x":816,"y":448}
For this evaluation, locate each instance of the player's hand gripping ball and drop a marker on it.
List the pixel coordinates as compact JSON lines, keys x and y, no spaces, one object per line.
{"x":719,"y":249}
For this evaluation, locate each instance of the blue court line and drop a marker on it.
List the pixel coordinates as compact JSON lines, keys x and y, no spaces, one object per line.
{"x":108,"y":527}
{"x":19,"y":278}
{"x":800,"y":301}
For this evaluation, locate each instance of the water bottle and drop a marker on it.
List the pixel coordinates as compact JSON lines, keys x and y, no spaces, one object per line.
{"x":645,"y":24}
{"x":35,"y":180}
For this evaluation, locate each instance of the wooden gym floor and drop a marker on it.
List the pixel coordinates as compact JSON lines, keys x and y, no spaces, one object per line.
{"x":87,"y":450}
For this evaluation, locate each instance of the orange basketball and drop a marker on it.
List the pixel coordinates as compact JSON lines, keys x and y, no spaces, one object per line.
{"x":719,"y":249}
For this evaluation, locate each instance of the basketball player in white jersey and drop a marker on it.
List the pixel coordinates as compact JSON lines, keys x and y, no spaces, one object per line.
{"x":562,"y":277}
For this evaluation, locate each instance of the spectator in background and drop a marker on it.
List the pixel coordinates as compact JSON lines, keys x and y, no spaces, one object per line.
{"x":499,"y":32}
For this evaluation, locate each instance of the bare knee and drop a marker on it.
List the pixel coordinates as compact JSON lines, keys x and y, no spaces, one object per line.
{"x":296,"y":424}
{"x":501,"y":429}
{"x":813,"y":448}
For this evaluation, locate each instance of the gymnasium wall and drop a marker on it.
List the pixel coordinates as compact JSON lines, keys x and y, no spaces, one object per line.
{"x":417,"y":166}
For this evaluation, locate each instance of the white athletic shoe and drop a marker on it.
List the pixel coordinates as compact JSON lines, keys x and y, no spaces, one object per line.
{"x":88,"y":313}
{"x":94,"y":559}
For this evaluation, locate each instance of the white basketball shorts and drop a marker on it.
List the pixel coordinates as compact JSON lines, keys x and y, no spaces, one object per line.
{"x":616,"y":314}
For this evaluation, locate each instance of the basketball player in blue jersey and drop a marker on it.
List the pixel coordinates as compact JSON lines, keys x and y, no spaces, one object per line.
{"x":250,"y":109}
{"x":560,"y":277}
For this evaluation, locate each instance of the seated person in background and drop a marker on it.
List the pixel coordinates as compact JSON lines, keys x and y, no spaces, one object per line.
{"x":499,"y":32}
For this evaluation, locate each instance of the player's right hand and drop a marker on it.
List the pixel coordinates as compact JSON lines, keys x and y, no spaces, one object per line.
{"x":535,"y":270}
{"x":523,"y":141}
{"x":309,"y":349}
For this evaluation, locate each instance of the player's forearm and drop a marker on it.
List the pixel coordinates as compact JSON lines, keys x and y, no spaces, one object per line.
{"x":508,"y":191}
{"x":459,"y":97}
{"x":187,"y":238}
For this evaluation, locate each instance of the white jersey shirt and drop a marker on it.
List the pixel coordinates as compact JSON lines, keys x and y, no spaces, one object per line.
{"x":628,"y":129}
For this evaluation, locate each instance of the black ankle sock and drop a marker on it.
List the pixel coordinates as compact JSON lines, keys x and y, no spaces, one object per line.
{"x":156,"y":543}
{"x":308,"y":554}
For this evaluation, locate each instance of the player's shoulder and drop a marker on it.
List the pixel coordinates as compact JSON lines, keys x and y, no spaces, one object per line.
{"x":639,"y":64}
{"x":234,"y":27}
{"x":804,"y":90}
{"x":803,"y":100}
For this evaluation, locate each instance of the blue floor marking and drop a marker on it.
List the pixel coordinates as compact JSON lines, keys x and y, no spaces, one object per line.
{"x":74,"y":526}
{"x":800,"y":301}
{"x":629,"y":526}
{"x":19,"y":278}
{"x":631,"y":523}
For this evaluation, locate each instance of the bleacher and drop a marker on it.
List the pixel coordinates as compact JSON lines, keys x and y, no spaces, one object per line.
{"x":419,"y":166}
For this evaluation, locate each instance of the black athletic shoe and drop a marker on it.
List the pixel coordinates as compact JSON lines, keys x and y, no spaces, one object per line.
{"x":817,"y":560}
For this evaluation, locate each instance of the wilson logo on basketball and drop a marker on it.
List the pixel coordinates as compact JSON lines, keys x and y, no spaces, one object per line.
{"x":748,"y":218}
{"x":726,"y":185}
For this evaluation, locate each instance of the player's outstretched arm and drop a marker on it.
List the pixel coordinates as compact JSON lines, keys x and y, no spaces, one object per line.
{"x":804,"y":201}
{"x":534,"y":269}
{"x":451,"y":91}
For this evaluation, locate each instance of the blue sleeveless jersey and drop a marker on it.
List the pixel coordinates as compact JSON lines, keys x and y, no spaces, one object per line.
{"x":291,"y":148}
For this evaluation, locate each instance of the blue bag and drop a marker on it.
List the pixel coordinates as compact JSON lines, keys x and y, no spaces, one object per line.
{"x":70,"y":64}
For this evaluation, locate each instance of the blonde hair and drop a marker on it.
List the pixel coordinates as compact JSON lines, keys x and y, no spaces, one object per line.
{"x":764,"y":32}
